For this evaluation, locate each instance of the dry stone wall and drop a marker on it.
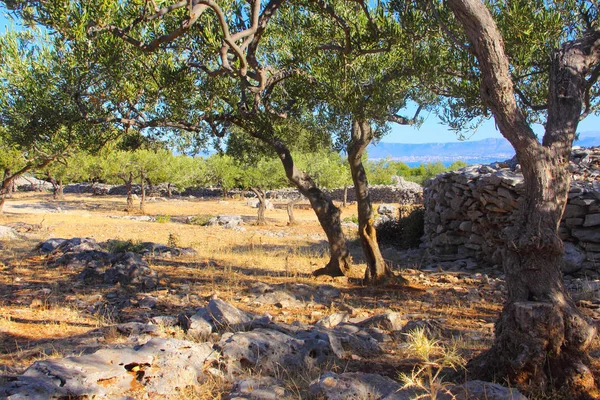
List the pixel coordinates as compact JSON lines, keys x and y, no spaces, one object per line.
{"x":467,"y":210}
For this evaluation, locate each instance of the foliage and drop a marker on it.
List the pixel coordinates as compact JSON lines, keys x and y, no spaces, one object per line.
{"x":124,"y":246}
{"x":382,"y":171}
{"x":433,"y":360}
{"x":174,"y":240}
{"x":265,"y":173}
{"x":163,"y":219}
{"x":223,"y":171}
{"x":327,"y":168}
{"x":201,"y":220}
{"x":404,"y":232}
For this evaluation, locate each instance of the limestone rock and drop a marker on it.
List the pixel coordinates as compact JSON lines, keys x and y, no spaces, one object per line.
{"x":259,"y":388}
{"x":226,"y":221}
{"x":333,"y":319}
{"x":129,"y":269}
{"x":161,"y":366}
{"x":574,"y":258}
{"x":225,"y":316}
{"x":357,"y":385}
{"x":390,"y":321}
{"x":280,"y":299}
{"x":270,"y":351}
{"x":387,"y":209}
{"x":479,"y":390}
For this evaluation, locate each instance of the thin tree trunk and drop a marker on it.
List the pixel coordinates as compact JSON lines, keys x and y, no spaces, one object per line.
{"x":54,"y":185}
{"x":143,"y":194}
{"x":377,"y":272}
{"x":541,"y":338}
{"x":345,"y":202}
{"x":290,"y":211}
{"x":262,"y":206}
{"x":169,"y":193}
{"x":322,"y":204}
{"x":9,"y":179}
{"x":128,"y":185}
{"x":61,"y":195}
{"x":6,"y":183}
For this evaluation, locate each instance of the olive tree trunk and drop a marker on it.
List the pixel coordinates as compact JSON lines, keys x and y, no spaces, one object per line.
{"x":290,"y":211}
{"x":143,"y":193}
{"x":262,"y":205}
{"x":377,"y":272}
{"x":128,"y":180}
{"x":7,"y":180}
{"x":61,"y":195}
{"x":322,"y":204}
{"x":541,"y":337}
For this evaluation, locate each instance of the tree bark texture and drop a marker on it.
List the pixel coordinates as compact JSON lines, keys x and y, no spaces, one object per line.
{"x":4,"y":189}
{"x":143,"y":193}
{"x":129,"y":185}
{"x":61,"y":195}
{"x":54,"y":185}
{"x":377,"y":272}
{"x":169,"y":193}
{"x":290,"y":211}
{"x":262,"y":205}
{"x":322,"y":204}
{"x":541,"y":337}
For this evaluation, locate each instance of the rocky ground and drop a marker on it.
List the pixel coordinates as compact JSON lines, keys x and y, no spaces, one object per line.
{"x":134,"y":319}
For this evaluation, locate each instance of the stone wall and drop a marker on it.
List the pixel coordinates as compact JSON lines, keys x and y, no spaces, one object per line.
{"x":402,"y":192}
{"x":467,"y":210}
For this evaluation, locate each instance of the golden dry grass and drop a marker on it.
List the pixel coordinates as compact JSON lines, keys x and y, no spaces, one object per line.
{"x":46,"y":312}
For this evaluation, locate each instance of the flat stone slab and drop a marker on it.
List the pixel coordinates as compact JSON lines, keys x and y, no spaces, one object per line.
{"x":161,"y":366}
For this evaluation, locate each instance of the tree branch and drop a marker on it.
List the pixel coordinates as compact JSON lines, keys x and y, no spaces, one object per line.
{"x":400,"y":120}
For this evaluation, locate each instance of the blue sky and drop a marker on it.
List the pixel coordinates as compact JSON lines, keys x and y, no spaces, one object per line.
{"x":431,"y":131}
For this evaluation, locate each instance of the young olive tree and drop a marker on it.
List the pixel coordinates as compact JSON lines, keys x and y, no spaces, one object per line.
{"x":198,"y":66}
{"x":39,"y":123}
{"x":261,"y":175}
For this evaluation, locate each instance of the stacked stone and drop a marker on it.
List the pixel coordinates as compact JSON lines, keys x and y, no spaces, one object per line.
{"x":467,"y":210}
{"x":409,"y":193}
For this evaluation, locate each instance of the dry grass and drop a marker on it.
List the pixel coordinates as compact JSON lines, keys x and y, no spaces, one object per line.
{"x":47,"y":312}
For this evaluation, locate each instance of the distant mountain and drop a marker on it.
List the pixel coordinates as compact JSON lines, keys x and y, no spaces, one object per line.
{"x":472,"y":152}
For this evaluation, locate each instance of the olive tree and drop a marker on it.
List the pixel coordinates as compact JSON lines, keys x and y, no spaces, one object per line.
{"x":198,"y":66}
{"x":531,"y":62}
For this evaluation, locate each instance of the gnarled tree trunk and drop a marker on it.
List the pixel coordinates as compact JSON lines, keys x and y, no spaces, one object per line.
{"x":322,"y":204}
{"x":377,"y":272}
{"x":541,"y":338}
{"x":262,"y":205}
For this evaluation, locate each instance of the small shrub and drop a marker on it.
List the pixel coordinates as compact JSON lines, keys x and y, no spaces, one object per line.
{"x":353,"y":218}
{"x":162,"y":219}
{"x":123,"y":246}
{"x":201,"y":220}
{"x":433,"y":358}
{"x":404,"y":232}
{"x":174,"y":240}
